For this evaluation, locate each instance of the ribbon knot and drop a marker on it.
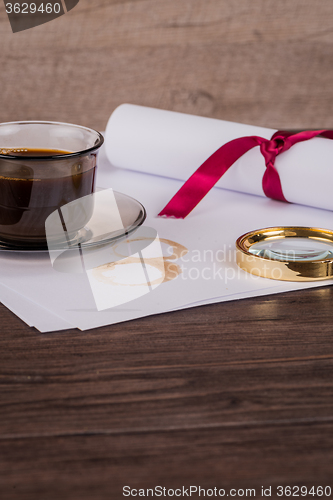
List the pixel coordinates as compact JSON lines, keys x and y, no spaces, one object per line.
{"x":210,"y":172}
{"x":274,"y":146}
{"x":270,"y":149}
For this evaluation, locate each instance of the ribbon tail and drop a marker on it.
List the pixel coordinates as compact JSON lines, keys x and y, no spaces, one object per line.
{"x":207,"y":175}
{"x":271,"y":184}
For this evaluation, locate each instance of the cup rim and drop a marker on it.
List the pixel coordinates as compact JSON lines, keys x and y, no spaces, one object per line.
{"x":53,"y":157}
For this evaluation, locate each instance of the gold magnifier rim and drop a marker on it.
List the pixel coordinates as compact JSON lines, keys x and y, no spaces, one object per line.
{"x":309,"y":270}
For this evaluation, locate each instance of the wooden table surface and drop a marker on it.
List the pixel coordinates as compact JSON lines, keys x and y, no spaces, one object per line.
{"x":233,"y":395}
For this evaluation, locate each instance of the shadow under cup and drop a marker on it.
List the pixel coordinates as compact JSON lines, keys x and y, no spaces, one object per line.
{"x":43,"y":166}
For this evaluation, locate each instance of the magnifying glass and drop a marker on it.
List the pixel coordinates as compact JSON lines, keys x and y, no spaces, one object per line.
{"x":287,"y":253}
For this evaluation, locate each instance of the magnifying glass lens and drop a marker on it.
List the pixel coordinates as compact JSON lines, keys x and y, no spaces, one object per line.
{"x":293,"y":249}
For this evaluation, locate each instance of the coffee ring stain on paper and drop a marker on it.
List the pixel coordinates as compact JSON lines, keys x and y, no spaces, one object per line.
{"x":166,"y":266}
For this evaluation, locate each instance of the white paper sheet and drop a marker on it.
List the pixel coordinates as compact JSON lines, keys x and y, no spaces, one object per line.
{"x":31,"y":313}
{"x":209,"y":272}
{"x":175,"y":144}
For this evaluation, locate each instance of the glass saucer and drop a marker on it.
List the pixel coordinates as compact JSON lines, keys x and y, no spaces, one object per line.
{"x":96,"y":233}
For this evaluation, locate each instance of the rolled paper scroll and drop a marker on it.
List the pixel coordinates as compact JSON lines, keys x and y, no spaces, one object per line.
{"x":171,"y":144}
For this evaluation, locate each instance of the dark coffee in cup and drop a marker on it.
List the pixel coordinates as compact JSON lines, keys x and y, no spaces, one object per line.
{"x":38,"y":177}
{"x":26,"y":200}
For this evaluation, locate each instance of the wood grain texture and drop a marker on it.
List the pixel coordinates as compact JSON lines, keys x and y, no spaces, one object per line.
{"x":260,"y":61}
{"x":233,"y":395}
{"x":97,"y":467}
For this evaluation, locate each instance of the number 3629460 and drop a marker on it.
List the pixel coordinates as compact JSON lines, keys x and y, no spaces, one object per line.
{"x":31,"y":8}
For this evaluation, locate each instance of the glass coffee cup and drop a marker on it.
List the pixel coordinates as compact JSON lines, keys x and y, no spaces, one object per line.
{"x":43,"y":166}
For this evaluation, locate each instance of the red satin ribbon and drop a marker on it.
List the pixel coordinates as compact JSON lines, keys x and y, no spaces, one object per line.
{"x":207,"y":175}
